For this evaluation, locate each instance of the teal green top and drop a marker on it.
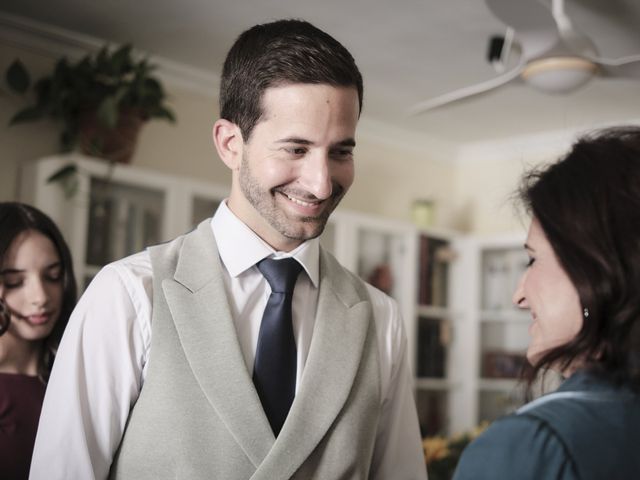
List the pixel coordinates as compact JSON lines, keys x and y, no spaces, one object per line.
{"x":587,"y":429}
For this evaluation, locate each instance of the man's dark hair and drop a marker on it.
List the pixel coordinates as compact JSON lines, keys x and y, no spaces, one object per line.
{"x":588,"y":205}
{"x":17,"y":218}
{"x":280,"y":53}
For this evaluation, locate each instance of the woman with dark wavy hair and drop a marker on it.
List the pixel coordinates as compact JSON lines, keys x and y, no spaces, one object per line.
{"x":37,"y":294}
{"x":582,"y":289}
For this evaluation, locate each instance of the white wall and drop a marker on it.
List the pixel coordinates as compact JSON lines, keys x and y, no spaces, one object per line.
{"x":390,"y":173}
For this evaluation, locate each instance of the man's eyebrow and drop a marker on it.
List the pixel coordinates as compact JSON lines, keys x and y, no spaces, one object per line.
{"x":348,"y":142}
{"x":299,"y":141}
{"x":528,"y":247}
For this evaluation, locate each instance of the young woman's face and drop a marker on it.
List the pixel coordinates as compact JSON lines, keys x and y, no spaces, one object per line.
{"x":546,"y":290}
{"x":31,"y":286}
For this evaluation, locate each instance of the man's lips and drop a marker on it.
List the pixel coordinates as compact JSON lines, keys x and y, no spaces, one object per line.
{"x":303,"y":203}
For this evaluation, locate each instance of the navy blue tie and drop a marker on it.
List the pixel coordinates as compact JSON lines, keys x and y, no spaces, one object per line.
{"x":274,"y":371}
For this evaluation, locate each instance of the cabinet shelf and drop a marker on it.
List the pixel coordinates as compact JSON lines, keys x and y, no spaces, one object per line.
{"x":430,"y":311}
{"x":498,"y":384}
{"x":426,"y":383}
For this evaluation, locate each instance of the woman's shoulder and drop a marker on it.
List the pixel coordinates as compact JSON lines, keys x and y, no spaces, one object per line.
{"x":517,"y":446}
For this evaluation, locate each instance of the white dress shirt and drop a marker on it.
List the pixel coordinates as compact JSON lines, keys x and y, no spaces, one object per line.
{"x":102,"y":360}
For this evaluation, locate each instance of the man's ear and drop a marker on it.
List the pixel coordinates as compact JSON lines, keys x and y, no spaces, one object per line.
{"x":228,"y":141}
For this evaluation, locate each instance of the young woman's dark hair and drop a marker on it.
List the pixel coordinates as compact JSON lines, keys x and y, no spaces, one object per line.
{"x":280,"y":53}
{"x":588,"y":205}
{"x":16,"y":218}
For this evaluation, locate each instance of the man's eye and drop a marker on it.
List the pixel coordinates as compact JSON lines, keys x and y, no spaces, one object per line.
{"x":342,"y":153}
{"x":297,"y":150}
{"x":530,"y":262}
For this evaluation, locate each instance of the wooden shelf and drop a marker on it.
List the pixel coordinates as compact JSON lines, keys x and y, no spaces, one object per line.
{"x":431,"y":311}
{"x":426,"y":383}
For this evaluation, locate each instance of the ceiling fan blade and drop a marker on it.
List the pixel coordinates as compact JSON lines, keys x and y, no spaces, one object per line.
{"x":625,"y":67}
{"x":534,"y":25}
{"x":577,"y":42}
{"x":465,"y":92}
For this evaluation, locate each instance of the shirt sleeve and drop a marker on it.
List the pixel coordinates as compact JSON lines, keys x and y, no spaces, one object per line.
{"x":519,"y":447}
{"x":398,"y":451}
{"x":96,"y":378}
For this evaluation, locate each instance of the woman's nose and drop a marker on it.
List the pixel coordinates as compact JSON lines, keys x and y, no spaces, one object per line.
{"x":519,"y":299}
{"x":37,"y":292}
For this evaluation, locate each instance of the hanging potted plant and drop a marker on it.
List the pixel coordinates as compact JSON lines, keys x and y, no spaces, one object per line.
{"x":100,"y":101}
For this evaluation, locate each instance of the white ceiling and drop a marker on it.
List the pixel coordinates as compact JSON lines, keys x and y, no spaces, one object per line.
{"x":407,"y":50}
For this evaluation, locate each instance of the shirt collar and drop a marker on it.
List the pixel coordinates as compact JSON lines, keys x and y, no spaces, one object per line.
{"x":240,"y":248}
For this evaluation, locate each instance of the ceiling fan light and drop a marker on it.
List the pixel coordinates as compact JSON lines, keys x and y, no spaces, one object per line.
{"x":558,"y":74}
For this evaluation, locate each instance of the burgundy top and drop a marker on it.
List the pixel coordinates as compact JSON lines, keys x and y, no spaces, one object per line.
{"x":20,"y":404}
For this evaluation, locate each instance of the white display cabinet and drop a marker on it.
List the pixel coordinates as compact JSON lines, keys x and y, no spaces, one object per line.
{"x":115,"y":210}
{"x":498,"y":333}
{"x":418,"y":268}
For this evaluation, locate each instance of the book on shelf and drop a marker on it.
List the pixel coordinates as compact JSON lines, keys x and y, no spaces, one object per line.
{"x":431,"y":348}
{"x":98,"y":246}
{"x":431,"y":412}
{"x":433,"y":273}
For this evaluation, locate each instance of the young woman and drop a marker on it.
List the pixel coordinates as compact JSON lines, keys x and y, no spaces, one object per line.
{"x":581,"y":288}
{"x":37,"y":294}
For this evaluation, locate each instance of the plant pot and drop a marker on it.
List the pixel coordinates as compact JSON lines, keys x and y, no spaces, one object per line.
{"x":115,"y":144}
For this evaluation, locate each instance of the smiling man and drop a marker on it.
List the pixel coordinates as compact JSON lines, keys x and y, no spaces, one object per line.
{"x":243,"y":350}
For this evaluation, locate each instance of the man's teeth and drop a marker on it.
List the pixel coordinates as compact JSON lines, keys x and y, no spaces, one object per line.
{"x":300,"y":202}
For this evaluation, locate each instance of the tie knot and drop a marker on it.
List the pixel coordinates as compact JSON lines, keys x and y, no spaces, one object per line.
{"x":281,"y":274}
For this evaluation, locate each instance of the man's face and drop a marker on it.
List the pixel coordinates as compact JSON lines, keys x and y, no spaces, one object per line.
{"x":298,"y":163}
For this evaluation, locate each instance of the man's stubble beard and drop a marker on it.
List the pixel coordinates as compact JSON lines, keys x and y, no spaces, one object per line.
{"x":264,"y":203}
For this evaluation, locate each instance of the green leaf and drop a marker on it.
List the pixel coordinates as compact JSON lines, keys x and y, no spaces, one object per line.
{"x":62,"y":173}
{"x":121,"y":58}
{"x":108,"y":112}
{"x":18,"y":77}
{"x":28,"y":114}
{"x":164,"y":113}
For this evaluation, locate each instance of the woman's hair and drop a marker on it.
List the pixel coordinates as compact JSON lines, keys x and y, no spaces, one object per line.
{"x":588,"y":205}
{"x":16,"y":218}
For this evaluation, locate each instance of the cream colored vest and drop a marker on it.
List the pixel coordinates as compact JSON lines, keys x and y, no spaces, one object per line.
{"x":198,"y":415}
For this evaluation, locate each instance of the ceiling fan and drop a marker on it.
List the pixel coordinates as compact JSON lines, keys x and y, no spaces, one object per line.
{"x":554,"y":56}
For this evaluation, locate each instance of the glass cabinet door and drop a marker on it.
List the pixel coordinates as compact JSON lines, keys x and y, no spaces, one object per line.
{"x":202,"y":208}
{"x":380,"y":261}
{"x":122,"y":220}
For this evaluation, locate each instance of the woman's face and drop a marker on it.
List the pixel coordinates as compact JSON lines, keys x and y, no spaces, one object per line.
{"x":546,"y":290}
{"x":31,"y":286}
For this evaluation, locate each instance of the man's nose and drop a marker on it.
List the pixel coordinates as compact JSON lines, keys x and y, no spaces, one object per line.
{"x":315,"y":176}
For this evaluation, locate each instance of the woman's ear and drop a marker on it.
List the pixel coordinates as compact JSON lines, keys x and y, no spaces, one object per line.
{"x":228,"y":141}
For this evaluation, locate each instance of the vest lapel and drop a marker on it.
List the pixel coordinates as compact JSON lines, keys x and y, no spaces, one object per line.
{"x":197,"y":300}
{"x":342,"y":322}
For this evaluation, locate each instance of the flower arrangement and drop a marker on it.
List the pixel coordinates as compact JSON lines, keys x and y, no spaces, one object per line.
{"x":442,"y":454}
